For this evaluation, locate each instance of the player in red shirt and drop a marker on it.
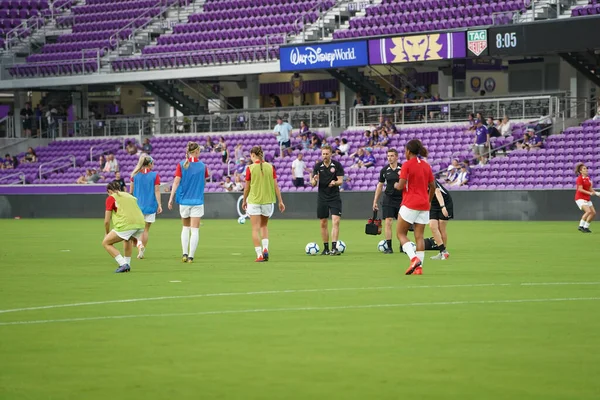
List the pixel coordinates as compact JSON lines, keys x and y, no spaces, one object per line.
{"x":418,"y":188}
{"x":582,"y":197}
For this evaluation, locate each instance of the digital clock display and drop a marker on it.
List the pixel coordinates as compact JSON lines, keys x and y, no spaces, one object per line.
{"x":506,"y":40}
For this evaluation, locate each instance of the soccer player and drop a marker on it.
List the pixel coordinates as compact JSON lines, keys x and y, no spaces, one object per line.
{"x":128,"y":225}
{"x":583,"y":197}
{"x":190,"y":177}
{"x":418,"y":188}
{"x":392,"y":198}
{"x":259,"y":197}
{"x":441,"y":212}
{"x":145,"y":187}
{"x":329,"y":175}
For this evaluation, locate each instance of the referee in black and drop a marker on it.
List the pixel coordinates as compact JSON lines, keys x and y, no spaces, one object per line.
{"x":389,"y":175}
{"x":440,"y":213}
{"x":329,"y":175}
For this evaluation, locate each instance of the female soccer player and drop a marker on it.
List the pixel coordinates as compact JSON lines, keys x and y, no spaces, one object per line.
{"x":441,"y":212}
{"x":583,"y":196}
{"x":145,"y":187}
{"x":188,"y":185}
{"x":416,"y":179}
{"x":259,"y":197}
{"x":128,"y":224}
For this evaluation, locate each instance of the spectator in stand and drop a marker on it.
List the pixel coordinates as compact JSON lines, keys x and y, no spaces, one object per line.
{"x":536,"y":142}
{"x":147,"y":147}
{"x":10,"y":162}
{"x":479,"y":117}
{"x":523,"y":144}
{"x":298,"y":170}
{"x":240,"y":168}
{"x":492,"y":128}
{"x":101,"y":163}
{"x":227,"y":185}
{"x":238,"y":153}
{"x":374,"y":139}
{"x":505,"y":127}
{"x":30,"y":156}
{"x":481,"y":142}
{"x":282,"y":132}
{"x":316,"y":143}
{"x":304,"y":129}
{"x":343,"y":148}
{"x":369,"y":159}
{"x":209,"y":145}
{"x":368,"y":139}
{"x":275,"y":101}
{"x":346,"y":183}
{"x":221,"y":147}
{"x":334,"y":146}
{"x":453,"y":170}
{"x":467,"y":165}
{"x":121,"y":181}
{"x":597,"y":116}
{"x":462,"y":178}
{"x":471,"y":120}
{"x":363,"y":159}
{"x":51,"y":114}
{"x":27,"y":119}
{"x":131,"y":148}
{"x":38,"y":119}
{"x":91,"y":176}
{"x":238,"y":184}
{"x":112,"y":165}
{"x":304,"y":142}
{"x":390,"y":128}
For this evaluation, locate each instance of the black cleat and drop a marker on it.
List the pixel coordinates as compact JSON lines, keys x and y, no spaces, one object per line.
{"x":388,"y":251}
{"x":184,"y":258}
{"x":325,"y":253}
{"x":335,"y":252}
{"x":586,"y":230}
{"x":581,"y":229}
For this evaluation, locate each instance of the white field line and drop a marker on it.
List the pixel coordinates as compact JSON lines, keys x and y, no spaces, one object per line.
{"x":292,"y":309}
{"x":267,"y":292}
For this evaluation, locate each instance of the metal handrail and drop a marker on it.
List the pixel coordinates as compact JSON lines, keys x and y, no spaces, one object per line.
{"x":197,"y":92}
{"x":21,"y":176}
{"x":70,"y":63}
{"x":301,"y":19}
{"x":69,"y":157}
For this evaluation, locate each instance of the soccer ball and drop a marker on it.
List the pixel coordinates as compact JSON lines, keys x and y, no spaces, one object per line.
{"x":382,"y":246}
{"x":241,"y":220}
{"x":341,"y":246}
{"x":312,"y":249}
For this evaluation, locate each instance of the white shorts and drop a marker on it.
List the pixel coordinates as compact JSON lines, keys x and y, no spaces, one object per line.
{"x":126,"y":235}
{"x":260,"y":209}
{"x":414,"y":216}
{"x":191,"y":211}
{"x":150,"y":218}
{"x":581,"y":203}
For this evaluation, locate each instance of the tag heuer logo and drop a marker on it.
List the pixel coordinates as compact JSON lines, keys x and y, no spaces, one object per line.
{"x":477,"y":41}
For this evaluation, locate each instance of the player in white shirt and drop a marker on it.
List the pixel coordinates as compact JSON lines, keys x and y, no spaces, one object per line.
{"x":298,"y":169}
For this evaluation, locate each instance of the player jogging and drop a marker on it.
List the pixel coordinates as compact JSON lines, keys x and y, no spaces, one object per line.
{"x":329,"y":175}
{"x":583,"y":197}
{"x":392,"y":198}
{"x":418,"y":188}
{"x":145,"y":187}
{"x":188,"y":185}
{"x":128,"y":224}
{"x":259,"y":197}
{"x":441,"y":212}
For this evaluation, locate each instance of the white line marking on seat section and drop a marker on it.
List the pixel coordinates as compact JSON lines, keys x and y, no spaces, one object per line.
{"x":292,"y":309}
{"x":288,"y":291}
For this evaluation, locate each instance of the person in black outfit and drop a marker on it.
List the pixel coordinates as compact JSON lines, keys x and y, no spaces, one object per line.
{"x":441,"y":212}
{"x":27,"y":119}
{"x":329,"y":175}
{"x":388,"y":176}
{"x":121,"y":181}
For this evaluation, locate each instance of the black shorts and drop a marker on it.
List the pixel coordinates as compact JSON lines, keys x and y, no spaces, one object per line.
{"x":298,"y":182}
{"x":390,"y":212}
{"x":436,"y":213}
{"x":324,"y":207}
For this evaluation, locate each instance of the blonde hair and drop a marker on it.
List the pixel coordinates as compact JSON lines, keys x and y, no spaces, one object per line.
{"x":144,"y":161}
{"x":190,"y":148}
{"x":258,"y":152}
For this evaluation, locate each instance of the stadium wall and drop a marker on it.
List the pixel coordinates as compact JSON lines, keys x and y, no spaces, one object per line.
{"x":555,"y":205}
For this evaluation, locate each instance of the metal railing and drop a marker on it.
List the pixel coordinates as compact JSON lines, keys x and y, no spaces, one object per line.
{"x":71,"y":161}
{"x":54,"y":68}
{"x":7,"y":127}
{"x":20,"y":175}
{"x":455,"y":111}
{"x":106,"y":127}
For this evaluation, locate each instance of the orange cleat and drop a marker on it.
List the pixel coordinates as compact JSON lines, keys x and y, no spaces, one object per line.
{"x":418,"y":271}
{"x":260,"y":259}
{"x":414,"y":263}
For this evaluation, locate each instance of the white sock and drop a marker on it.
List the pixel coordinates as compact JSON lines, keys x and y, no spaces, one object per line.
{"x":195,"y":238}
{"x":409,"y":249}
{"x":120,"y":260}
{"x":265,"y":244}
{"x":258,"y":251}
{"x":582,"y":222}
{"x":128,"y":260}
{"x":586,"y":224}
{"x":421,"y":255}
{"x":185,"y":239}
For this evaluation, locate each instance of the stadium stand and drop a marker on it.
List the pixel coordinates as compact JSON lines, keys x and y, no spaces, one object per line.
{"x":592,"y":8}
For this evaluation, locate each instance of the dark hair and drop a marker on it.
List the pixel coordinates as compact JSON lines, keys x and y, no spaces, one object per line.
{"x":258,"y":152}
{"x":115,"y":186}
{"x":416,"y":147}
{"x":344,"y":140}
{"x":578,"y":168}
{"x":392,"y":150}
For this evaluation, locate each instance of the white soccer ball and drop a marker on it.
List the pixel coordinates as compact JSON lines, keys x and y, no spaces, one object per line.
{"x":241,"y":220}
{"x":341,"y":246}
{"x":382,"y":246}
{"x":312,"y":249}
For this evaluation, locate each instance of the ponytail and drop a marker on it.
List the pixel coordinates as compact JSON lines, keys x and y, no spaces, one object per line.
{"x":144,"y":161}
{"x":416,"y":147}
{"x":578,"y":168}
{"x":115,"y":186}
{"x":258,"y":152}
{"x":190,"y":148}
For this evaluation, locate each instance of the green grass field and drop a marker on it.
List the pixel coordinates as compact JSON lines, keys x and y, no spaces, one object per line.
{"x":513,"y":314}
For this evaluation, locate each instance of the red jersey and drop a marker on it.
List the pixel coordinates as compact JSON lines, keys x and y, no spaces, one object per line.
{"x":587,"y":185}
{"x":249,"y":175}
{"x":418,"y":176}
{"x":111,"y":204}
{"x":192,"y":160}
